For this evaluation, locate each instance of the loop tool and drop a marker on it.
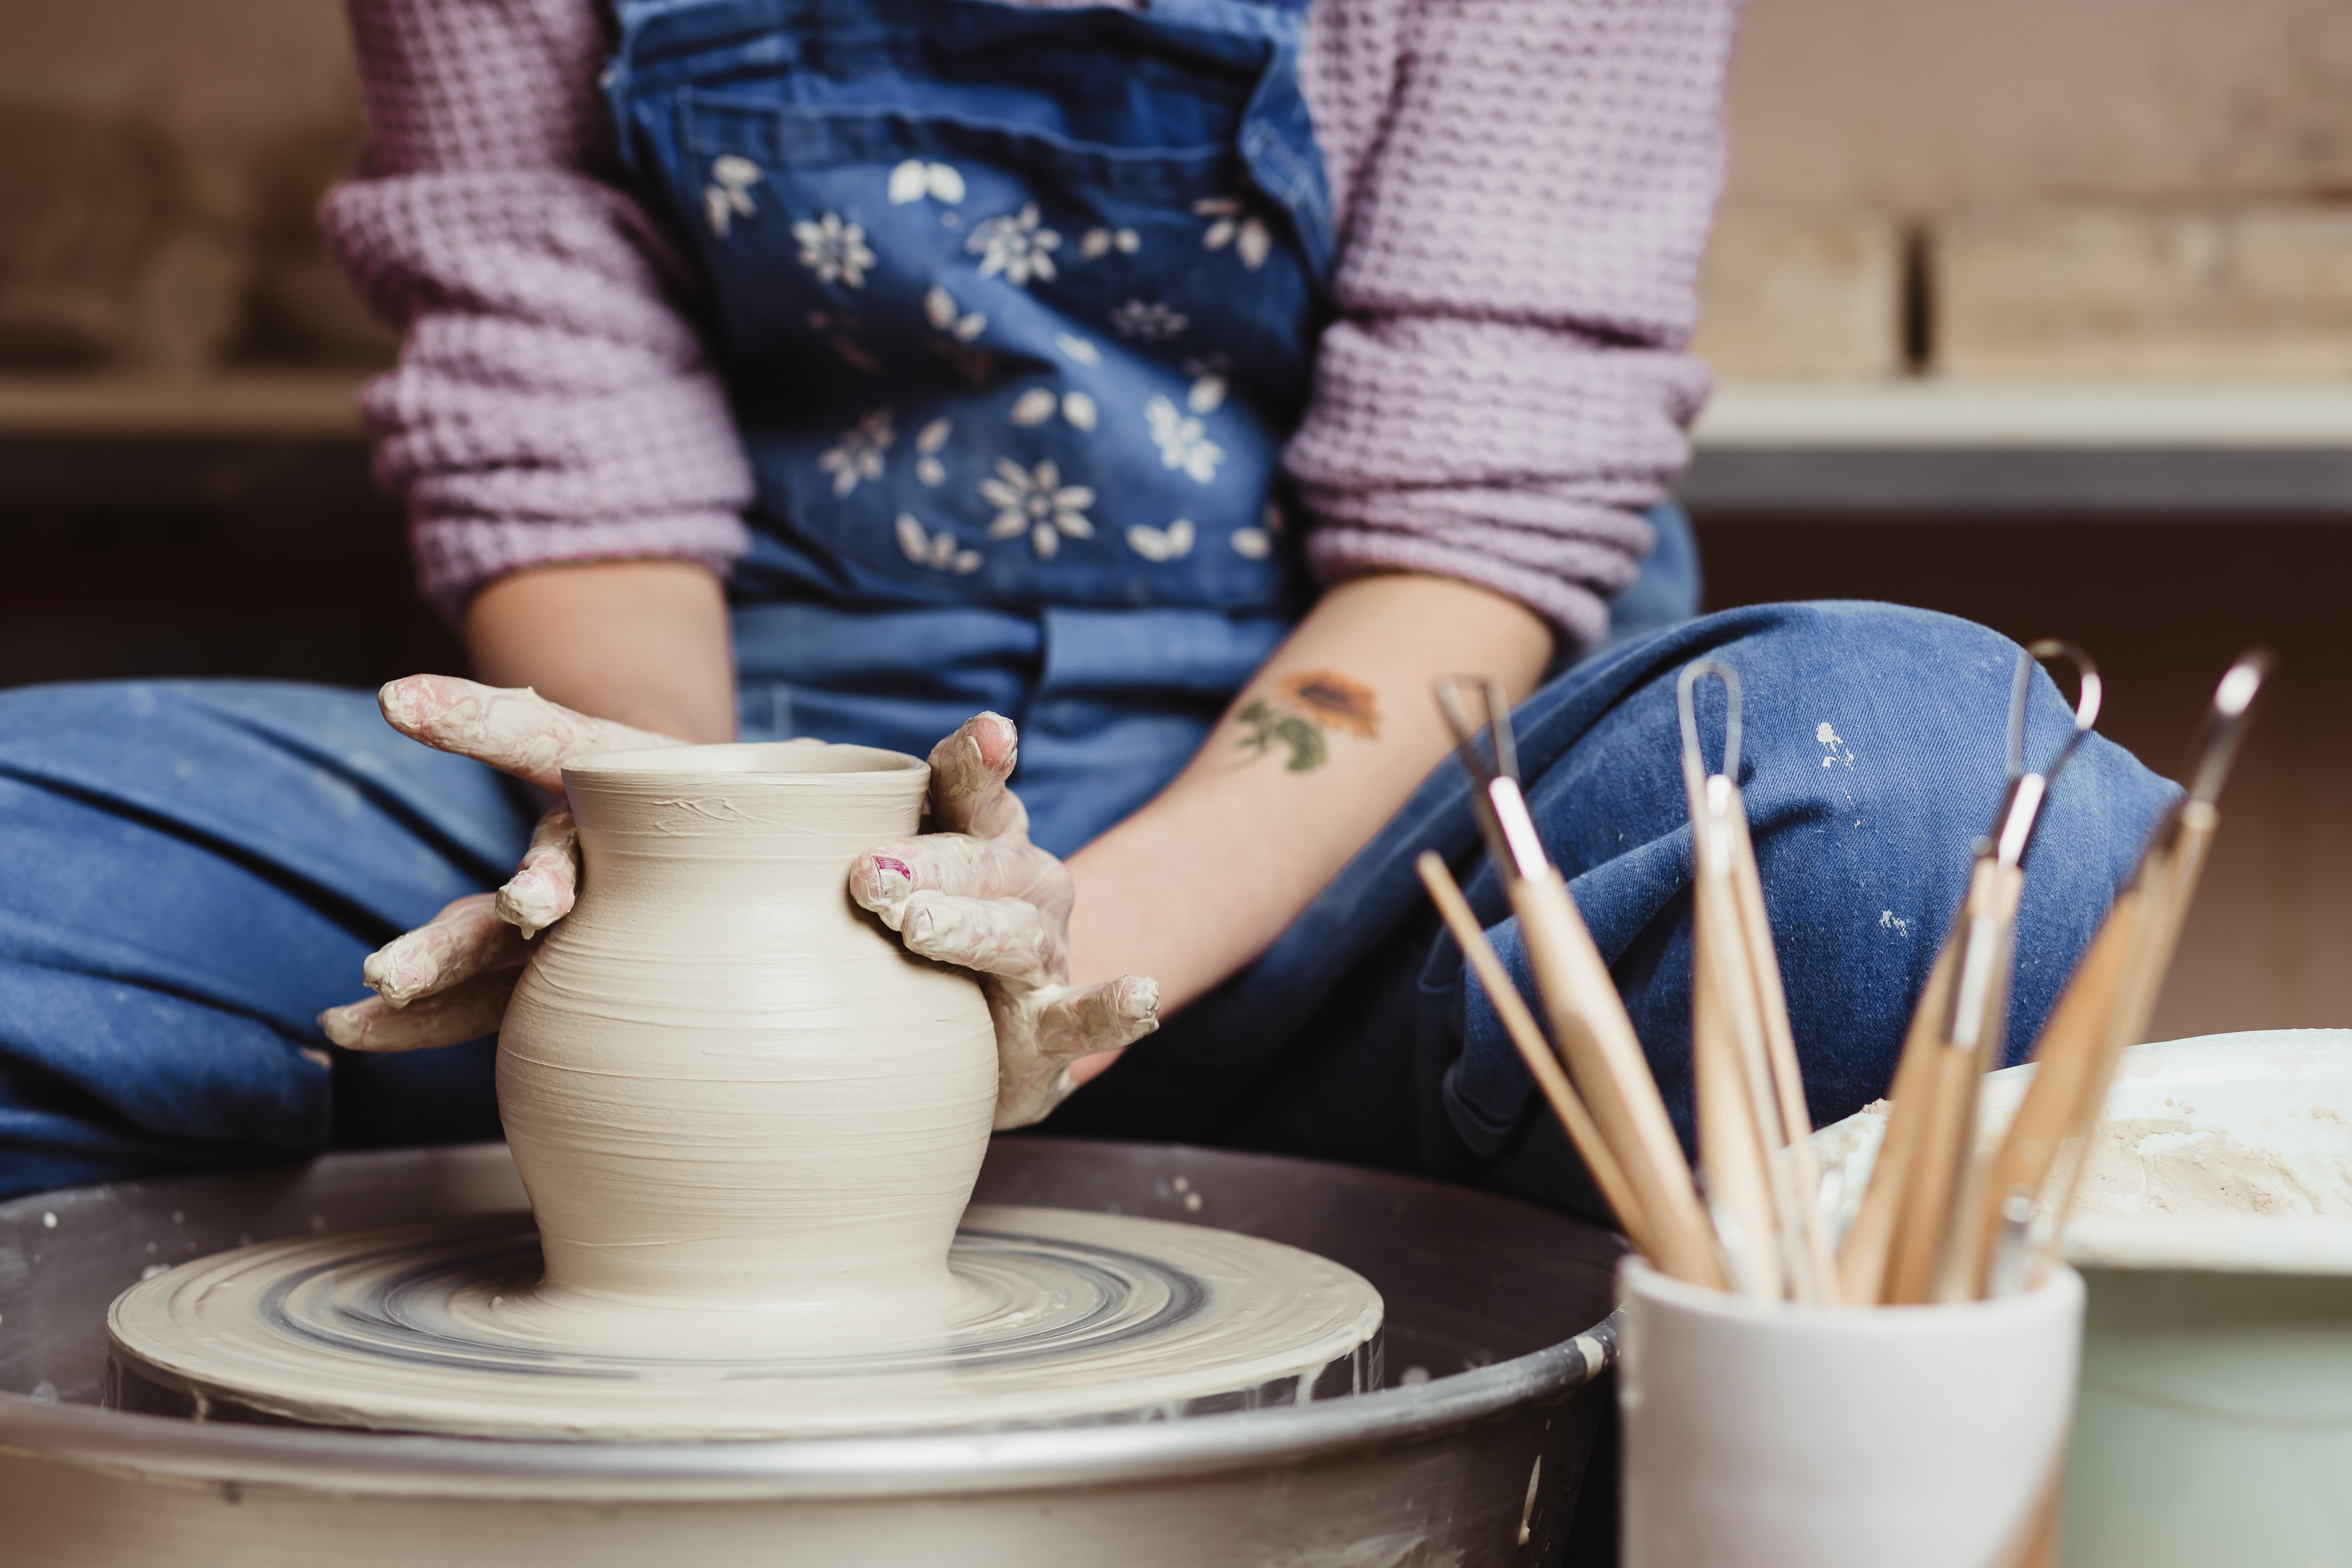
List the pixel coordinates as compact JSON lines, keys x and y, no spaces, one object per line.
{"x":1754,"y":1132}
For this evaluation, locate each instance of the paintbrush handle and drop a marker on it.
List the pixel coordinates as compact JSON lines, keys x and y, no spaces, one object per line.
{"x":1861,"y":1258}
{"x":2151,"y":959}
{"x":1605,"y":1058}
{"x":1914,"y":1264}
{"x":2067,"y":1079}
{"x":1780,"y":1044}
{"x":1731,"y":1140}
{"x":1756,"y":925}
{"x":1964,"y":1051}
{"x":1542,"y":1065}
{"x":2168,"y":885}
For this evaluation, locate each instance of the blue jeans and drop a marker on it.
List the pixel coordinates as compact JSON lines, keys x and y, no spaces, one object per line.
{"x":194,"y":870}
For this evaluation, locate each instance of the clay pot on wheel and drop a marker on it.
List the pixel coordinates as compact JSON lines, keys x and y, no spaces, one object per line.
{"x":726,"y":1087}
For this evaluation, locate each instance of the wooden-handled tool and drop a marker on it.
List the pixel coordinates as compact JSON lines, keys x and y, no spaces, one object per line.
{"x":2071,"y":1047}
{"x":1588,"y":1018}
{"x":2106,"y":1004}
{"x":1969,"y":1044}
{"x":1870,"y":1239}
{"x":1781,"y":1042}
{"x":1906,"y":1245}
{"x":1752,"y":1123}
{"x":1535,"y":1051}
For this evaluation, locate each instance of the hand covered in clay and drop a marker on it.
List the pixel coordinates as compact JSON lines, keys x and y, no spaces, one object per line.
{"x":448,"y":980}
{"x":974,"y":892}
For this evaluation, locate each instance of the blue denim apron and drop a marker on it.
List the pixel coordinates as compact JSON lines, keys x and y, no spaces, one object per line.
{"x":1017,"y":308}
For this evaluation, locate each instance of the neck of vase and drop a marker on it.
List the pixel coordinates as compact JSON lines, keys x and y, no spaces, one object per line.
{"x":654,"y":824}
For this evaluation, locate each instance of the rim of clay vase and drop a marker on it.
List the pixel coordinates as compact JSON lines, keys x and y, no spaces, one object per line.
{"x":893,"y":1464}
{"x":759,"y":758}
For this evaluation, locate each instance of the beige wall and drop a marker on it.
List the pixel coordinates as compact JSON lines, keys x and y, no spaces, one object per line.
{"x":1923,"y":107}
{"x":237,"y":70}
{"x":1918,"y":105}
{"x":1849,"y":119}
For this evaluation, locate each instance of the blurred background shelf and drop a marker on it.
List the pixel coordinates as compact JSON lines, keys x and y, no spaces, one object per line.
{"x":2139,"y":450}
{"x":295,"y":404}
{"x":1882,"y":448}
{"x":1930,"y":413}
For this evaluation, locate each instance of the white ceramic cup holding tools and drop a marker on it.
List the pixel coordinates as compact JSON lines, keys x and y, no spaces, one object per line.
{"x":1768,"y":1434}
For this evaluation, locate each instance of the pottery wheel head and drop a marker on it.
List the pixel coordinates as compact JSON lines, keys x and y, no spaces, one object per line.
{"x":1055,"y":1317}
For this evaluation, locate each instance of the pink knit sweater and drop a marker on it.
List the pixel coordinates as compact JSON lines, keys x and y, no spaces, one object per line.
{"x":1522,"y":190}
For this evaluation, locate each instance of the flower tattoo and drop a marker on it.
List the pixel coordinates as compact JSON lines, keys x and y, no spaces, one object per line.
{"x":1301,"y":714}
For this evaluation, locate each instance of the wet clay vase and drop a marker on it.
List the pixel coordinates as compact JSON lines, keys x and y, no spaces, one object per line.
{"x":729,"y":1090}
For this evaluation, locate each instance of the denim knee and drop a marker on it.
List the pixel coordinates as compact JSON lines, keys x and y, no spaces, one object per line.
{"x":195,"y":869}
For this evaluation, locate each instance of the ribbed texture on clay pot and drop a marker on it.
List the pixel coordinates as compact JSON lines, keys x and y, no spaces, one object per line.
{"x":725,"y":1085}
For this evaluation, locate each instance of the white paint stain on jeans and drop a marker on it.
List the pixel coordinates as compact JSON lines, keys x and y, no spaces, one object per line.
{"x":1834,"y":751}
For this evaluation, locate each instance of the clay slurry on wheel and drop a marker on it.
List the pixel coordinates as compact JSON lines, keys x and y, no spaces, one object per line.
{"x":1059,"y":1317}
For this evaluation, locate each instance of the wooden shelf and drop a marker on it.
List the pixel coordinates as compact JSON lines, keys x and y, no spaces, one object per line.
{"x":2264,"y":415}
{"x":2126,"y":449}
{"x":2139,"y":450}
{"x":242,"y":403}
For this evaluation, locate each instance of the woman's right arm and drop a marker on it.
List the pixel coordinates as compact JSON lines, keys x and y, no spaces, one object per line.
{"x":554,"y":403}
{"x":642,"y":642}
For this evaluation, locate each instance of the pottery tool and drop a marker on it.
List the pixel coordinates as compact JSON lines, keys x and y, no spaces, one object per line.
{"x":1588,"y":1018}
{"x":1535,"y":1051}
{"x":1904,"y":1243}
{"x":2105,"y":1008}
{"x":1754,"y":1130}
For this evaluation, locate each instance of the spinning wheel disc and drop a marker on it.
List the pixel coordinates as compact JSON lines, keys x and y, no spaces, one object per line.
{"x":1059,"y":1317}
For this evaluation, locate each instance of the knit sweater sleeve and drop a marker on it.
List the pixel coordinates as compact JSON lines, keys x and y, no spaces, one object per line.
{"x":552,"y":402}
{"x":1505,"y":387}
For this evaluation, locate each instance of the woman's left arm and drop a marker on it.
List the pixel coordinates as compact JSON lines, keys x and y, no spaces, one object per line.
{"x":1313,"y":757}
{"x":1504,"y":391}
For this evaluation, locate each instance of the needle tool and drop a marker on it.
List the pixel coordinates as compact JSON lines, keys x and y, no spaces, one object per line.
{"x":1588,"y":1018}
{"x":1905,"y":1244}
{"x":1754,"y":1129}
{"x":2107,"y":1006}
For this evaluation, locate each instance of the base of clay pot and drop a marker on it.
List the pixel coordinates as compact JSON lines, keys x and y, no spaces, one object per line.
{"x":1058,"y":1318}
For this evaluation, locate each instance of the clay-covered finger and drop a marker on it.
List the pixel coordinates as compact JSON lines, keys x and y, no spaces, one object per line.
{"x":967,"y":774}
{"x":513,"y":729}
{"x":462,"y":1013}
{"x":885,"y":877}
{"x":1099,"y":1018}
{"x":1056,"y":1029}
{"x":466,"y":939}
{"x":995,"y":936}
{"x":542,"y":890}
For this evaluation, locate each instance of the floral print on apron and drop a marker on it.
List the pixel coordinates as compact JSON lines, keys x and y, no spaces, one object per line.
{"x":1018,"y":305}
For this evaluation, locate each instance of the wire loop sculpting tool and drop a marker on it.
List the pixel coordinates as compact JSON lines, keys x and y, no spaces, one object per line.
{"x":1588,"y":1018}
{"x":1905,"y":1242}
{"x":1754,"y":1130}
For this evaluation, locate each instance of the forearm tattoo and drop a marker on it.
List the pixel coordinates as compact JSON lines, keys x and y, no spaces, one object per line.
{"x":1301,"y":714}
